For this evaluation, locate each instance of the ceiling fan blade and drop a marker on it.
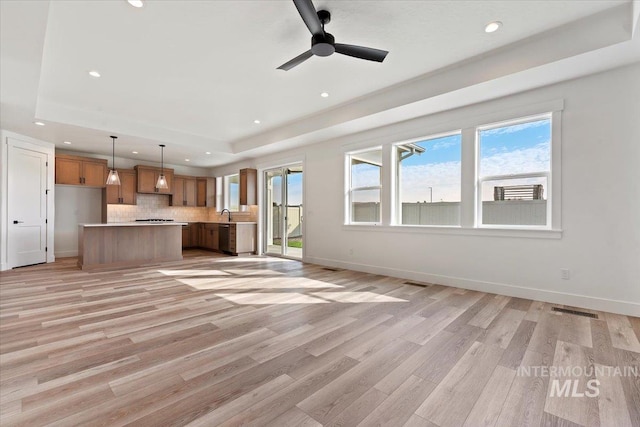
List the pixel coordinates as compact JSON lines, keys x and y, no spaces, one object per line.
{"x":296,"y":61}
{"x":309,"y":16}
{"x":361,"y":52}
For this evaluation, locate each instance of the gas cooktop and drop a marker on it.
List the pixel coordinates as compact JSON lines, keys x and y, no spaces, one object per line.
{"x":154,"y":220}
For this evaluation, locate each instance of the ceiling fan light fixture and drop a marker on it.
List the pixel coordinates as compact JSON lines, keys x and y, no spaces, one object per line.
{"x":94,"y":73}
{"x":162,"y":180}
{"x":324,"y":95}
{"x":492,"y":27}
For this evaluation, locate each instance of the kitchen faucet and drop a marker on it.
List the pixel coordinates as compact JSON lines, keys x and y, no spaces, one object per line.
{"x":228,"y":211}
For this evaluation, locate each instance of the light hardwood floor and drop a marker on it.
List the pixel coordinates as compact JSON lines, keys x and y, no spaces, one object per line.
{"x":216,"y":340}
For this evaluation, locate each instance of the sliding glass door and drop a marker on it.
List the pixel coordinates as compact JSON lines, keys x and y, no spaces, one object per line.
{"x":283,"y":211}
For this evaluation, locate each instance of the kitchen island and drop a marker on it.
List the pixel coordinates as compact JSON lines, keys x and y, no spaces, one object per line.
{"x":115,"y":245}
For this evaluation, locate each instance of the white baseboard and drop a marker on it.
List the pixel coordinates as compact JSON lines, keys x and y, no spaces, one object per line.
{"x":593,"y":303}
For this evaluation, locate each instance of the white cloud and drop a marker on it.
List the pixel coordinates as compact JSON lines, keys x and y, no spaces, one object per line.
{"x":444,"y":178}
{"x":533,"y":159}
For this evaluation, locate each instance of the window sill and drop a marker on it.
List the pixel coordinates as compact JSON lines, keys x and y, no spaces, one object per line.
{"x":457,"y":231}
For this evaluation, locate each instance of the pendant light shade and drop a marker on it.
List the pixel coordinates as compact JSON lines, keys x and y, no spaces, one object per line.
{"x":162,"y":181}
{"x":113,"y":178}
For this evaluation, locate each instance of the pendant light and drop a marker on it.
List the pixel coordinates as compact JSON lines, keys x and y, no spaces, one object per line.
{"x":113,"y":178}
{"x":162,"y":181}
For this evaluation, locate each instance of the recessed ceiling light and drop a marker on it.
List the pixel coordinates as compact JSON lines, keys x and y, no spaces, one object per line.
{"x":187,"y":160}
{"x":38,"y":123}
{"x":208,"y":152}
{"x":324,"y":95}
{"x":492,"y":26}
{"x":135,"y":3}
{"x":256,"y":122}
{"x":67,"y":142}
{"x":94,"y":73}
{"x":134,"y":152}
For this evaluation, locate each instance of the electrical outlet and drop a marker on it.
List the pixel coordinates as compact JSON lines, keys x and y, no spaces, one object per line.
{"x":565,"y":274}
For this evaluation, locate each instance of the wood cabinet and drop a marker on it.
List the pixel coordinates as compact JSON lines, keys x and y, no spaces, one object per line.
{"x":248,"y":187}
{"x":206,"y":192}
{"x":76,"y":170}
{"x":125,"y":193}
{"x":242,"y":237}
{"x":147,"y":177}
{"x":195,"y":234}
{"x":184,"y":191}
{"x":215,"y":236}
{"x":208,"y":236}
{"x":186,"y":236}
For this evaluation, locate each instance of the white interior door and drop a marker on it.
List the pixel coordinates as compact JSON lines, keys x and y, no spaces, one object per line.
{"x":26,"y":206}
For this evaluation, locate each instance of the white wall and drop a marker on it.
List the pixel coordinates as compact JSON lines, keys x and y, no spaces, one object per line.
{"x":600,"y":243}
{"x":74,"y":205}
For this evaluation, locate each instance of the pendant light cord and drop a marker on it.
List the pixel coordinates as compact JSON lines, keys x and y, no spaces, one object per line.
{"x":162,"y":159}
{"x":113,"y":152}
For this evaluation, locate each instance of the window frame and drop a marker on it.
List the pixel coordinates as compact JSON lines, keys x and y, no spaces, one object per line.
{"x":350,"y":189}
{"x":397,"y":203}
{"x":546,"y":174}
{"x":442,"y":123}
{"x":226,"y":192}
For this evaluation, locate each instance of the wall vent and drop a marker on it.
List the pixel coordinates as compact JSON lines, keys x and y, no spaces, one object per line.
{"x":576,"y":312}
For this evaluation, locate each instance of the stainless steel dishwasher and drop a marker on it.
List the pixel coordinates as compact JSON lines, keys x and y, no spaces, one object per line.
{"x":223,"y":237}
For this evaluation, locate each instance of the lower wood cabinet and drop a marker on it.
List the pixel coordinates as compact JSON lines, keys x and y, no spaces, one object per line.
{"x":186,"y":236}
{"x":242,"y":237}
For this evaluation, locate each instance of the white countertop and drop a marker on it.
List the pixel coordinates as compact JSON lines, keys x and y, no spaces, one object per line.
{"x":134,"y":224}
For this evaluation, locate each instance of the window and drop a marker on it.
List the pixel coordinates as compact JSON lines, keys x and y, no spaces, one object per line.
{"x":499,"y":170}
{"x":429,"y":181}
{"x":365,"y":184}
{"x":231,"y":192}
{"x":514,"y":173}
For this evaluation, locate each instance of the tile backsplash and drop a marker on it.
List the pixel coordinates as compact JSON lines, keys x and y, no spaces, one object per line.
{"x":157,"y":206}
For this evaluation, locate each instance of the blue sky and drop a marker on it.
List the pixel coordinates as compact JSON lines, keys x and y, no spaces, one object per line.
{"x":295,"y":189}
{"x":435,"y":174}
{"x":511,"y":149}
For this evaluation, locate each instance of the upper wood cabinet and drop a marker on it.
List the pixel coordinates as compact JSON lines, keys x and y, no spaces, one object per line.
{"x":206,"y":192}
{"x":76,"y":170}
{"x":248,"y":187}
{"x":125,"y":193}
{"x":148,"y":176}
{"x":184,"y":191}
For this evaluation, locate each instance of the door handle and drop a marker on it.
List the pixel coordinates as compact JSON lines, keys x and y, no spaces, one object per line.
{"x":18,"y":222}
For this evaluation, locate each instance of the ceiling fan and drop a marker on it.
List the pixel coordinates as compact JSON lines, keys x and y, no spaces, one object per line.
{"x":323,"y":43}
